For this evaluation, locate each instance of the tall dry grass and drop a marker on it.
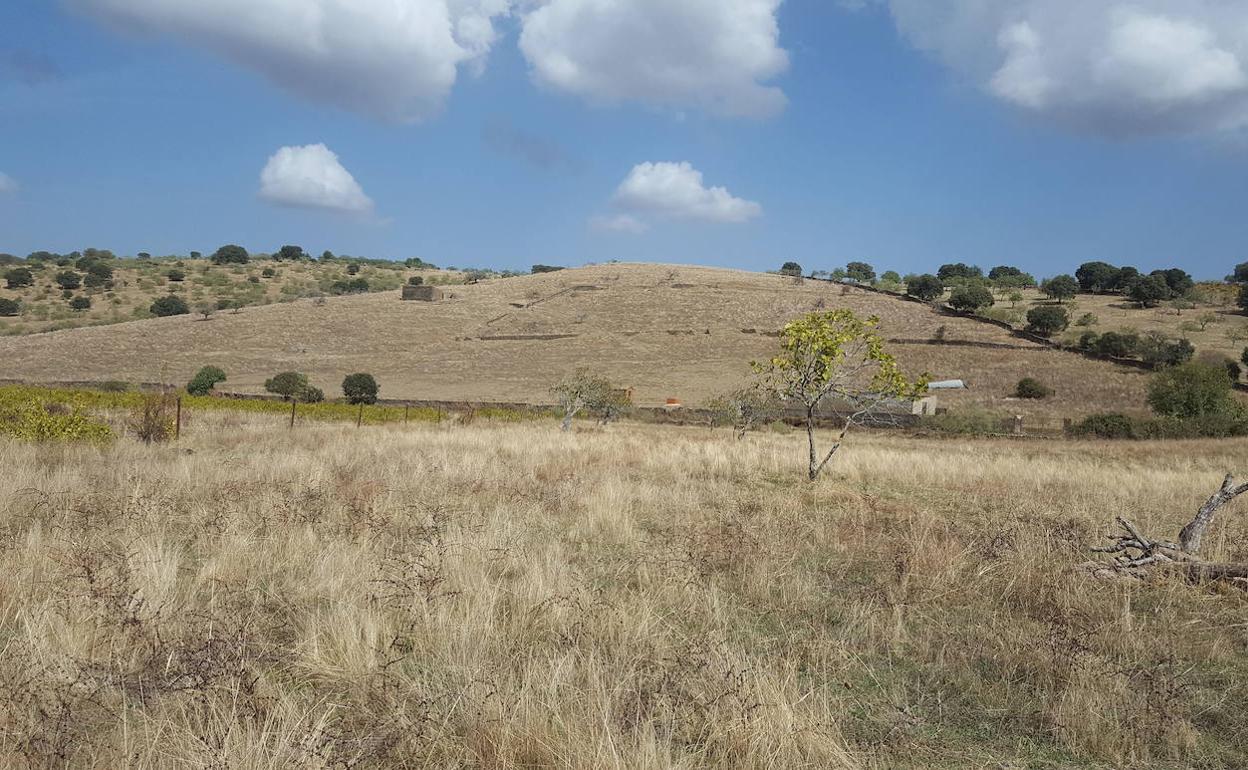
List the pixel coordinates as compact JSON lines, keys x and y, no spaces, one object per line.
{"x":510,"y":596}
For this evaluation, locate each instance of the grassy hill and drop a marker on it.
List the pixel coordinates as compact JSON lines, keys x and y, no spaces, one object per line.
{"x":667,"y":331}
{"x":135,"y":283}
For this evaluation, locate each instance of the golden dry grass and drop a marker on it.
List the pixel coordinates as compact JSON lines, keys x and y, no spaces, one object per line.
{"x":641,"y":597}
{"x":669,"y":332}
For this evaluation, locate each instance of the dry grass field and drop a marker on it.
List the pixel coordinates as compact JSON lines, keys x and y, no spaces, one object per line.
{"x":136,"y":283}
{"x":641,"y":597}
{"x":667,"y":331}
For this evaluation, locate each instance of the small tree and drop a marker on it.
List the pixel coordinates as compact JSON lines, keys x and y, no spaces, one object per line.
{"x":791,"y":269}
{"x":360,"y":388}
{"x":583,"y":391}
{"x":971,"y":298}
{"x":925,"y":287}
{"x":1060,"y":288}
{"x":861,"y":272}
{"x":1047,"y":320}
{"x":19,"y":277}
{"x":169,"y":306}
{"x":746,"y":409}
{"x":1148,"y":290}
{"x":1015,"y":297}
{"x":1157,"y":350}
{"x":206,"y":308}
{"x":1117,"y":344}
{"x":9,"y":307}
{"x":152,"y":419}
{"x":231,"y":254}
{"x":1192,"y":391}
{"x":80,"y":303}
{"x":288,"y":385}
{"x":1096,"y":277}
{"x":840,"y":356}
{"x":68,"y":279}
{"x":891,"y":276}
{"x":291,"y":253}
{"x":176,"y":276}
{"x":205,"y":380}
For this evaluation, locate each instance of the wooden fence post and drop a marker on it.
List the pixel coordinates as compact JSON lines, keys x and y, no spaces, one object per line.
{"x":293,"y":403}
{"x":406,"y":408}
{"x":177,"y":423}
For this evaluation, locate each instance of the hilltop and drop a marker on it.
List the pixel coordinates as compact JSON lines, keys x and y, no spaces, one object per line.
{"x":666,"y":331}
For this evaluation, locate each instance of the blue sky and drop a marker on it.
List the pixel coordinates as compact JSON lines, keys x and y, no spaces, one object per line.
{"x":907,"y":135}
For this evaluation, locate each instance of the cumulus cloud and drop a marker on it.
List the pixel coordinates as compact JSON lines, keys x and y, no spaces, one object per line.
{"x":1143,"y":67}
{"x":311,"y":177}
{"x":392,"y":59}
{"x":673,"y":191}
{"x":8,"y":186}
{"x":713,"y":54}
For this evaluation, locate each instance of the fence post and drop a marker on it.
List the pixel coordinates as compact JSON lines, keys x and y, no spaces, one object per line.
{"x":406,"y":408}
{"x":293,"y":403}
{"x":177,"y":423}
{"x":359,"y":418}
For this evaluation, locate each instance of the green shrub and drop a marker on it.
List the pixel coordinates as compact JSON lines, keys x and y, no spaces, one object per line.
{"x":231,"y":254}
{"x":68,"y":279}
{"x":1117,"y":344}
{"x":1047,"y":320}
{"x":80,"y":303}
{"x":970,"y":298}
{"x":169,"y":306}
{"x":19,"y":277}
{"x":177,"y":276}
{"x":415,"y":280}
{"x":1107,"y":426}
{"x":925,"y":287}
{"x":963,"y":422}
{"x":360,"y":388}
{"x":1032,"y":388}
{"x":1087,"y":319}
{"x":268,"y":272}
{"x":9,"y":307}
{"x":1156,"y":350}
{"x":1193,"y":391}
{"x":205,"y":380}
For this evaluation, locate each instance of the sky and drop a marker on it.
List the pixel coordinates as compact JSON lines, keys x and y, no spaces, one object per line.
{"x":736,"y":133}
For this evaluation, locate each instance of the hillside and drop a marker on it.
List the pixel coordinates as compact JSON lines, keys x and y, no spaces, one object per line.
{"x":667,"y":331}
{"x":135,"y":283}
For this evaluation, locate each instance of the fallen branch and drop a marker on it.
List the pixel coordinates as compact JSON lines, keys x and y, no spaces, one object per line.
{"x":1136,"y":556}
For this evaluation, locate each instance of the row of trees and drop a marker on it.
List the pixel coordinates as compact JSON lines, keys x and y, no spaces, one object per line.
{"x":358,"y":388}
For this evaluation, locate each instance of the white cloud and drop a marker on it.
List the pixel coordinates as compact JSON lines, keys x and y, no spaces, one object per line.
{"x":8,"y":185}
{"x":311,"y":177}
{"x":619,"y":223}
{"x":711,"y":54}
{"x":676,"y":191}
{"x":1139,"y":67}
{"x":392,"y":59}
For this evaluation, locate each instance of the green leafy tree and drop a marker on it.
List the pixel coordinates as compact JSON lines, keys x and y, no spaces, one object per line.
{"x":1177,"y":280}
{"x":538,"y":269}
{"x":231,"y":254}
{"x":169,"y":305}
{"x":9,"y":307}
{"x":290,"y":254}
{"x":1096,"y":277}
{"x":1191,"y":391}
{"x":415,"y":280}
{"x":1116,"y":344}
{"x":1148,"y":290}
{"x":891,"y":276}
{"x":1158,"y":350}
{"x":583,"y":391}
{"x":860,"y":272}
{"x":958,"y":271}
{"x":288,"y":384}
{"x":176,"y":276}
{"x":1240,"y":275}
{"x":835,"y":356}
{"x":80,"y":303}
{"x":205,"y":380}
{"x":926,"y":287}
{"x":1015,"y":297}
{"x":746,"y":409}
{"x":1122,"y":281}
{"x":18,"y":278}
{"x":1060,"y":288}
{"x":971,"y":298}
{"x":791,"y":269}
{"x":1047,"y":320}
{"x":360,"y":388}
{"x":68,"y":279}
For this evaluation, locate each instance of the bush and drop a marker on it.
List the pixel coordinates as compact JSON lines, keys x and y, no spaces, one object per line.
{"x":177,"y":276}
{"x":19,"y":277}
{"x":1148,"y":291}
{"x":169,"y":306}
{"x":355,"y":286}
{"x":360,"y":388}
{"x":1107,"y":426}
{"x":551,"y":269}
{"x":1087,"y":319}
{"x":80,"y":303}
{"x":1117,"y":344}
{"x":1032,"y":388}
{"x":1193,"y":390}
{"x":68,"y":279}
{"x":861,"y":272}
{"x":205,"y":380}
{"x":268,"y":272}
{"x":294,"y":385}
{"x":791,"y":269}
{"x":1156,"y":350}
{"x":152,"y":419}
{"x":313,"y":395}
{"x":34,"y":420}
{"x":1047,"y":320}
{"x":925,"y":287}
{"x":1060,"y":288}
{"x":970,"y":298}
{"x":9,"y":307}
{"x":415,"y":280}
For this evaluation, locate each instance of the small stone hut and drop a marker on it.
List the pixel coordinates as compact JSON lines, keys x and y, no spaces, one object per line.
{"x":423,"y":294}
